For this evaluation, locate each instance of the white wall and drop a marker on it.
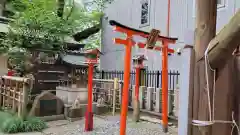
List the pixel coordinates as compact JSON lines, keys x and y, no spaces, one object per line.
{"x":182,"y":17}
{"x":113,"y":54}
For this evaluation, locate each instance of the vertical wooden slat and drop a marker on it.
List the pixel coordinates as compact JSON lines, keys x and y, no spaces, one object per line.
{"x":116,"y":87}
{"x":161,"y":79}
{"x":4,"y":94}
{"x":1,"y":90}
{"x":19,"y":103}
{"x":25,"y":100}
{"x":14,"y":96}
{"x":170,"y":79}
{"x":173,"y":81}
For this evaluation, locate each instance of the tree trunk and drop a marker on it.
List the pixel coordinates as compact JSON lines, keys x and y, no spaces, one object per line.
{"x":226,"y":41}
{"x":60,"y":10}
{"x":2,"y":5}
{"x":205,"y":31}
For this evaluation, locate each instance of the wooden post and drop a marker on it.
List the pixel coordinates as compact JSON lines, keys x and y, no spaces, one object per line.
{"x":236,"y":100}
{"x":14,"y":97}
{"x":128,"y":44}
{"x":4,"y":94}
{"x":116,"y":87}
{"x":19,"y":103}
{"x":205,"y":32}
{"x":136,"y":103}
{"x":1,"y":92}
{"x":126,"y":79}
{"x":25,"y":100}
{"x":165,"y":87}
{"x":89,"y":113}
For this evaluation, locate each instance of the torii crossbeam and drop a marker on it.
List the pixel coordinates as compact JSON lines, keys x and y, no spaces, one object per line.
{"x":128,"y":42}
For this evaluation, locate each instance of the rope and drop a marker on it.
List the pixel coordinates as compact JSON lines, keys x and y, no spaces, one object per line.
{"x":212,"y":120}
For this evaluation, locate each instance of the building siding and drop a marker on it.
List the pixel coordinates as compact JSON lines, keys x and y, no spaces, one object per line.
{"x":182,"y":18}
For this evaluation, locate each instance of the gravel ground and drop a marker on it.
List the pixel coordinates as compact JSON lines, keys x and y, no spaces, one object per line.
{"x":104,"y":125}
{"x":108,"y":126}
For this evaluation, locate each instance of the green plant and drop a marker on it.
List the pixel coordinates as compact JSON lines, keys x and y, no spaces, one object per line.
{"x":45,"y":25}
{"x":16,"y":125}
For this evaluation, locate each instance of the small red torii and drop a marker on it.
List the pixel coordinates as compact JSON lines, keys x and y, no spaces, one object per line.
{"x":129,"y":43}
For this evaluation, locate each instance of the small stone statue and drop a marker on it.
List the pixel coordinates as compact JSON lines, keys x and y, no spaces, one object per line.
{"x":100,"y":101}
{"x":77,"y":103}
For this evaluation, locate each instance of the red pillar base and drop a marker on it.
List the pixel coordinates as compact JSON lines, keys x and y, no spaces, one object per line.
{"x":88,"y":121}
{"x":165,"y":128}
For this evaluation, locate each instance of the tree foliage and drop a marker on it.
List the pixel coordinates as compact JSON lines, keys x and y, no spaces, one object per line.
{"x":36,"y":25}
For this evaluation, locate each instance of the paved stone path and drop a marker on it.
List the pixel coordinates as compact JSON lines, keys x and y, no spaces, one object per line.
{"x":108,"y":125}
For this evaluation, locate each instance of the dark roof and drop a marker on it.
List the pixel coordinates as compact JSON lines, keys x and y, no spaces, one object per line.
{"x":74,"y":60}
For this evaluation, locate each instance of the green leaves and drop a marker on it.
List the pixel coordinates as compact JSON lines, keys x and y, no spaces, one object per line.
{"x":37,"y":25}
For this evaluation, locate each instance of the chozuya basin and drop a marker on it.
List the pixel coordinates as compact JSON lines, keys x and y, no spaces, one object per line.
{"x":73,"y":96}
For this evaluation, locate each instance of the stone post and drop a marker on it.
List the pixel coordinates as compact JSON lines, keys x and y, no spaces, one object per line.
{"x":176,"y":101}
{"x":136,"y":106}
{"x":141,"y":96}
{"x":133,"y":95}
{"x":120,"y":94}
{"x":170,"y":101}
{"x":149,"y":98}
{"x":158,"y":99}
{"x":116,"y":87}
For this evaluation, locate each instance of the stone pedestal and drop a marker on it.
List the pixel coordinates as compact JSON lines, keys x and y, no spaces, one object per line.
{"x":101,"y":109}
{"x":71,"y":112}
{"x":69,"y":95}
{"x":136,"y":110}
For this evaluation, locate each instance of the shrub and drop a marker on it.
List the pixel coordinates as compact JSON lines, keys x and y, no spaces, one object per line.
{"x":16,"y":125}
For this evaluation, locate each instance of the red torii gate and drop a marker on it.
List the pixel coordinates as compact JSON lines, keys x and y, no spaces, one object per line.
{"x":130,"y":32}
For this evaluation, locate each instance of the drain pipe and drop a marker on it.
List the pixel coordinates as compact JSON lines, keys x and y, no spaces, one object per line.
{"x":168,"y":17}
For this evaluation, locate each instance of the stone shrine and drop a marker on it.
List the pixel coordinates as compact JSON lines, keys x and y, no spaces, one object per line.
{"x":47,"y":104}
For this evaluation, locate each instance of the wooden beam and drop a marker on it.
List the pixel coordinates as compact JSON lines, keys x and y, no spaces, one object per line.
{"x":87,"y":32}
{"x":205,"y":32}
{"x":226,"y":41}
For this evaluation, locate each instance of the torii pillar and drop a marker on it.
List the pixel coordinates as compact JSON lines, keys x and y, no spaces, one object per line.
{"x":130,"y":32}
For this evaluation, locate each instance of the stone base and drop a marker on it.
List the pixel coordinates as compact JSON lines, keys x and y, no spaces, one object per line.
{"x":70,"y":112}
{"x":76,"y":112}
{"x":52,"y":118}
{"x":101,"y":110}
